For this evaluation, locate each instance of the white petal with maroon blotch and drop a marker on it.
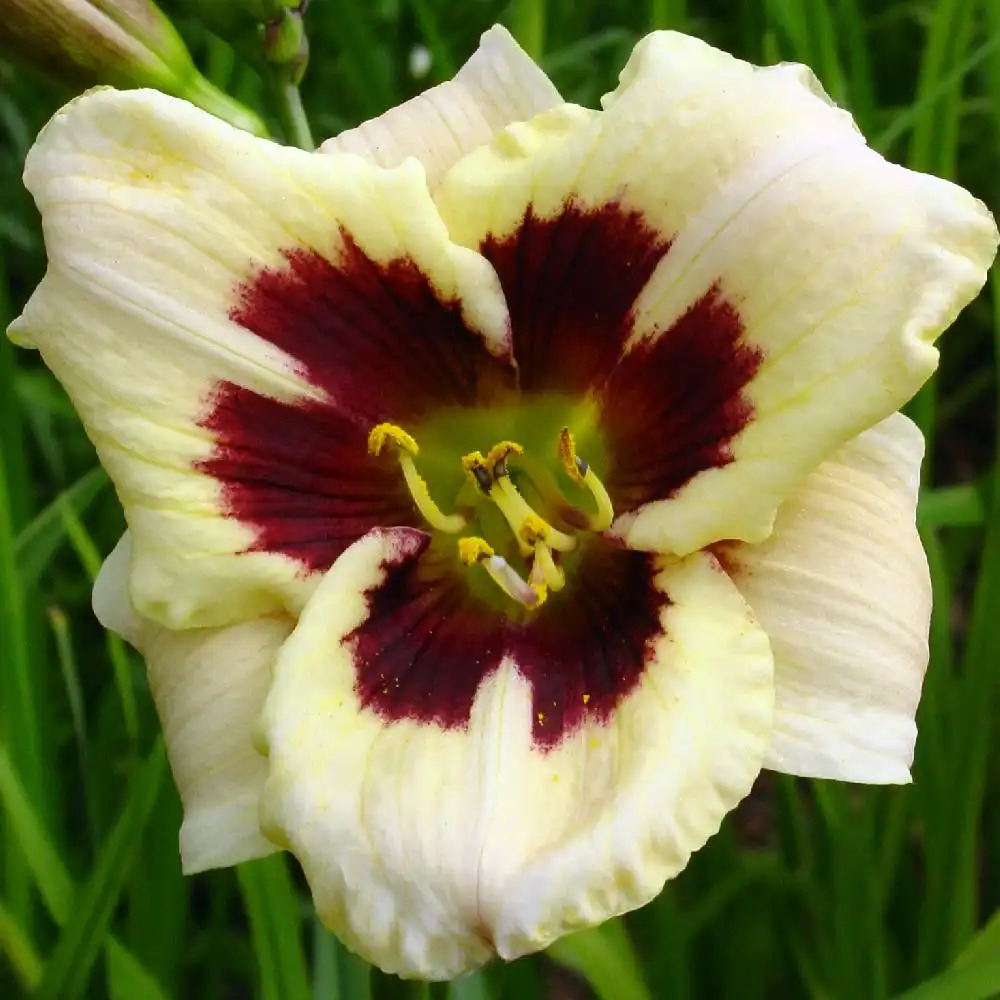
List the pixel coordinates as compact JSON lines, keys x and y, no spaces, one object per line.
{"x":843,"y":590}
{"x":498,"y":85}
{"x":432,"y":845}
{"x":209,"y":686}
{"x":772,"y":284}
{"x":191,"y":270}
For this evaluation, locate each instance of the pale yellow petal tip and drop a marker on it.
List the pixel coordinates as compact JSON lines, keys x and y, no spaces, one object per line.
{"x":669,"y":46}
{"x":111,"y":598}
{"x":19,"y":333}
{"x":219,"y":836}
{"x":96,"y":100}
{"x":498,"y":84}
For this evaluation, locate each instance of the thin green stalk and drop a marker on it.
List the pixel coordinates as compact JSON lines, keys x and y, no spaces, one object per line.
{"x":90,"y":558}
{"x":292,"y":115}
{"x":667,"y":14}
{"x":74,"y":696}
{"x":19,"y":716}
{"x":529,"y":23}
{"x":20,"y":952}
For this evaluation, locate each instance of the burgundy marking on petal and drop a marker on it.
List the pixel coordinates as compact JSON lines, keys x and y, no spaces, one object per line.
{"x":427,"y":644}
{"x":382,"y":345}
{"x":570,"y":283}
{"x":375,"y":336}
{"x":673,"y":406}
{"x":301,"y":476}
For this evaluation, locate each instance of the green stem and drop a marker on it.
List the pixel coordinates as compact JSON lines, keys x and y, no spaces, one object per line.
{"x":529,"y":20}
{"x":210,"y":98}
{"x":294,"y":123}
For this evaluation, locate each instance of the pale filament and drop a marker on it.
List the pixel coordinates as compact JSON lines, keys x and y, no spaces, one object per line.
{"x":580,"y":472}
{"x":406,"y":450}
{"x":537,"y":540}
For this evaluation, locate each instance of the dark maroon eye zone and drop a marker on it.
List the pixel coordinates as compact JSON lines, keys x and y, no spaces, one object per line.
{"x":570,"y":283}
{"x":672,"y":405}
{"x":428,"y":642}
{"x":382,"y":345}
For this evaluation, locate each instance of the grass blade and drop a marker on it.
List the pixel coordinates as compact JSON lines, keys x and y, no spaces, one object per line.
{"x":604,"y":957}
{"x":979,"y":981}
{"x":128,"y":978}
{"x":41,"y":539}
{"x":68,"y":970}
{"x":42,"y":858}
{"x":20,"y":952}
{"x":275,"y":923}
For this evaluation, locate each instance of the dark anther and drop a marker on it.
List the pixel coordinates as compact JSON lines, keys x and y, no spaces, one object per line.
{"x":483,"y":480}
{"x":581,"y":466}
{"x":500,"y":469}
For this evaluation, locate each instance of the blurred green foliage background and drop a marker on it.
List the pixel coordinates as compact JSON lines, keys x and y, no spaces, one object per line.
{"x":811,"y":889}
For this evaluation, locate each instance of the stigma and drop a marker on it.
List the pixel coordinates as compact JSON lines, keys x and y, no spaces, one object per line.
{"x":539,"y":543}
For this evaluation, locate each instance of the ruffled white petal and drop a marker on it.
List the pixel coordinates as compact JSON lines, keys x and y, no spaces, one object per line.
{"x":429,"y":846}
{"x":156,"y":216}
{"x":209,"y":687}
{"x":819,"y":273}
{"x":842,"y":589}
{"x":111,"y":600}
{"x":499,"y":84}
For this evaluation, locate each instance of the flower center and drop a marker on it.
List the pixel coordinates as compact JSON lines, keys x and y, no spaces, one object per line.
{"x":539,"y":544}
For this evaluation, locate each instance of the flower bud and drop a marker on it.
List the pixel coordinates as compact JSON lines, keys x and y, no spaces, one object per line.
{"x":122,"y":42}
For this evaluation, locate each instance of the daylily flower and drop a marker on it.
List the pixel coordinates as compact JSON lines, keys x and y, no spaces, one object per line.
{"x":509,"y":485}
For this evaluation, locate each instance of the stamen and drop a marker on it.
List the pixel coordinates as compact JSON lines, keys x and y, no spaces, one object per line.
{"x":580,"y":472}
{"x":552,"y":575}
{"x":406,"y":449}
{"x":519,"y":514}
{"x":475,"y":465}
{"x":381,"y":433}
{"x":477,"y":550}
{"x":496,"y":460}
{"x":494,"y":480}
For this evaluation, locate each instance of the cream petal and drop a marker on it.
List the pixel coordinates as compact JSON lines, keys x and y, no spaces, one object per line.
{"x":209,"y":687}
{"x":718,"y":258}
{"x":498,"y":85}
{"x":414,"y":772}
{"x":229,"y":318}
{"x":112,"y":603}
{"x":843,"y":590}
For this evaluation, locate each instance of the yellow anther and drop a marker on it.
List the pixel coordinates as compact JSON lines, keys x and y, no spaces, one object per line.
{"x":490,"y":473}
{"x":567,"y":455}
{"x":532,"y":530}
{"x":381,"y":433}
{"x":474,"y":460}
{"x":580,"y":472}
{"x":499,"y":453}
{"x":475,"y":465}
{"x":406,"y":449}
{"x":478,"y":551}
{"x":472,"y":550}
